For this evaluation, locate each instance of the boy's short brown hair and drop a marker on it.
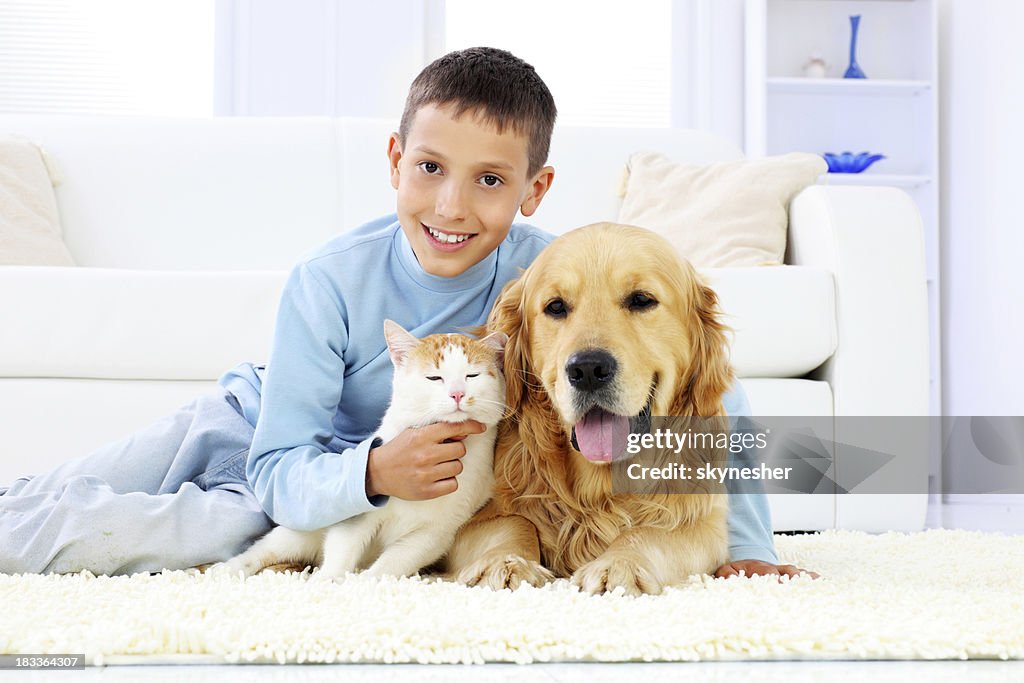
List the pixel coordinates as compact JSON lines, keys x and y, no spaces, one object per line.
{"x":503,"y":89}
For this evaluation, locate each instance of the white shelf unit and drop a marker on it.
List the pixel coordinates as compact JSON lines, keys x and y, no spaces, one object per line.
{"x":844,"y":86}
{"x":894,"y":111}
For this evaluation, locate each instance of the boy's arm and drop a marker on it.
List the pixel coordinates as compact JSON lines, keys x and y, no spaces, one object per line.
{"x":298,"y":478}
{"x":751,"y":548}
{"x":750,"y":521}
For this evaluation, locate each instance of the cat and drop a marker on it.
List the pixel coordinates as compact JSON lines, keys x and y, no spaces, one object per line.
{"x":440,"y":378}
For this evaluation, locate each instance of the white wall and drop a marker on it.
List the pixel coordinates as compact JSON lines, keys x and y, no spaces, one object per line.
{"x":319,"y":57}
{"x":982,"y":143}
{"x":725,"y":70}
{"x":357,"y":58}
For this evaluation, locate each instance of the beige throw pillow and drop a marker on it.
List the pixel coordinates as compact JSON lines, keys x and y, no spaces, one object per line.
{"x":727,"y":214}
{"x":30,"y":233}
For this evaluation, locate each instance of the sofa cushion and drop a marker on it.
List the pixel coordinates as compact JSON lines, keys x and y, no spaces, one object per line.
{"x":238,"y":193}
{"x":47,"y":422}
{"x":134,"y":324}
{"x":722,"y":214}
{"x":30,"y":231}
{"x":799,"y":398}
{"x":226,"y":193}
{"x":783,"y":318}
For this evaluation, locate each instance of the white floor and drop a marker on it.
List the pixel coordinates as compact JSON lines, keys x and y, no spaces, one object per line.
{"x":1003,"y":514}
{"x":704,"y":672}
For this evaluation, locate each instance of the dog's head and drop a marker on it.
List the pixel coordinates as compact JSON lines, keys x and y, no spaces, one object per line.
{"x":608,"y":326}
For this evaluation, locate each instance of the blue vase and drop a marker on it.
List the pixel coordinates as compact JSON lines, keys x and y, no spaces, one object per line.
{"x":853,"y":71}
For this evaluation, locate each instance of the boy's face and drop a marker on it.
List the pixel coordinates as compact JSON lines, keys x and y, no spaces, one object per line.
{"x":459,"y":185}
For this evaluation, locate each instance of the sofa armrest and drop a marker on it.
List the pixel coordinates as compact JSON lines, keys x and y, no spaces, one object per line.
{"x":134,"y":324}
{"x":872,"y":240}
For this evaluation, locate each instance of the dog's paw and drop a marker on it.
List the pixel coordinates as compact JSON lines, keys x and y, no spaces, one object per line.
{"x":611,"y":571}
{"x":505,"y":571}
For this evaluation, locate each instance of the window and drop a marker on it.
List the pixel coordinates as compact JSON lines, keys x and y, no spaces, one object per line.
{"x":567,"y":42}
{"x":107,"y":57}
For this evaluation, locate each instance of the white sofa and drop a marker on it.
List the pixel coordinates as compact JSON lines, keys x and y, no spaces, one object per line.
{"x":183,"y":231}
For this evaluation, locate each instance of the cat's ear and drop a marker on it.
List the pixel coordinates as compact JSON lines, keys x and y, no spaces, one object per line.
{"x":399,"y":341}
{"x":497,"y":341}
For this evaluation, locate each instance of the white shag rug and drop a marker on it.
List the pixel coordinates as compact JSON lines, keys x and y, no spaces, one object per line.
{"x":936,"y":594}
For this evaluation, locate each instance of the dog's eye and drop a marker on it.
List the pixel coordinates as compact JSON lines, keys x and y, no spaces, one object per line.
{"x":434,"y":378}
{"x":556,"y":308}
{"x":639,"y":301}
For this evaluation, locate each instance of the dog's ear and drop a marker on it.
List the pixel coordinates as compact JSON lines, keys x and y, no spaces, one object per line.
{"x":709,"y":375}
{"x":507,"y":317}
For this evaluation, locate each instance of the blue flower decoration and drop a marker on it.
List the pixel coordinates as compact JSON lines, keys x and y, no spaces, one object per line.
{"x":847,"y":162}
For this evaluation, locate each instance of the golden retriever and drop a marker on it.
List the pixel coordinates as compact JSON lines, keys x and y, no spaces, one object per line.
{"x":607,"y":324}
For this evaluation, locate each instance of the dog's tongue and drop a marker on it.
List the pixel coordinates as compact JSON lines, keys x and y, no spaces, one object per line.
{"x":601,"y":435}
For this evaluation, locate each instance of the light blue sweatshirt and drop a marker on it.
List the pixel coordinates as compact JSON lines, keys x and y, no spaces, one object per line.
{"x":327,"y":384}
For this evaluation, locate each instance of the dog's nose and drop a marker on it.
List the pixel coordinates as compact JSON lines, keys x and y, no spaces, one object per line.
{"x":590,"y":370}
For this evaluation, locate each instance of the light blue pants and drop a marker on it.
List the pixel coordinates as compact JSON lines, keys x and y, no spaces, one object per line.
{"x":173,"y":495}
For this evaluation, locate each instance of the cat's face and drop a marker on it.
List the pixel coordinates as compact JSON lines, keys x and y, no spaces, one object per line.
{"x":446,"y":377}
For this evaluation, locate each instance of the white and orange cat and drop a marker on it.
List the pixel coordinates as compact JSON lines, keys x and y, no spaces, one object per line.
{"x":440,"y":378}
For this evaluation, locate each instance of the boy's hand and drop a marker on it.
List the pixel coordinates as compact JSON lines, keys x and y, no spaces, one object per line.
{"x":759,"y":568}
{"x":420,"y":464}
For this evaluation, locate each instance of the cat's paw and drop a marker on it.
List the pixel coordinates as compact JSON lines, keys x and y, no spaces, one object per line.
{"x":505,"y":571}
{"x":223,"y":569}
{"x":236,"y":566}
{"x":320,"y":578}
{"x":378,"y":571}
{"x":328,"y":574}
{"x":347,"y":576}
{"x":613,"y":570}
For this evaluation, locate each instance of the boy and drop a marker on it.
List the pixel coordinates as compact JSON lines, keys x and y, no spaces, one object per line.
{"x":290,"y":442}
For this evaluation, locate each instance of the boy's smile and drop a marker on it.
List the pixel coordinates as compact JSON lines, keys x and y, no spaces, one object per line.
{"x":446,"y":241}
{"x":460,"y":183}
